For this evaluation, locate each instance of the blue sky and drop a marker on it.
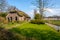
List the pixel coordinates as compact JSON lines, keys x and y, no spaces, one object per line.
{"x":28,"y":7}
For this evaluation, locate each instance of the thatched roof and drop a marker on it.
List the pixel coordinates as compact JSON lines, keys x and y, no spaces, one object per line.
{"x":20,"y":13}
{"x":23,"y":14}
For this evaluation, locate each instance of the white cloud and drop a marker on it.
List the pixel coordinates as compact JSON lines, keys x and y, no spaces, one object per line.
{"x":49,"y":10}
{"x":31,"y":13}
{"x":52,"y":11}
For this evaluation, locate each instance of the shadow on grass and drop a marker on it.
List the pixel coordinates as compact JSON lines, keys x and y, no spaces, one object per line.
{"x":7,"y":35}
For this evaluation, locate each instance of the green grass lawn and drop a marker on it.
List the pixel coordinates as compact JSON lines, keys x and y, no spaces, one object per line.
{"x":36,"y":32}
{"x":12,"y":25}
{"x":35,"y":26}
{"x":9,"y":25}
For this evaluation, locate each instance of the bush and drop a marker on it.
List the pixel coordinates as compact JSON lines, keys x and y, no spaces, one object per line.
{"x":37,"y":16}
{"x":3,"y":14}
{"x":37,"y":21}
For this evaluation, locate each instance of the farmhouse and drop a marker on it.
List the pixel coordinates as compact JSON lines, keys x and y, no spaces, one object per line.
{"x":16,"y":15}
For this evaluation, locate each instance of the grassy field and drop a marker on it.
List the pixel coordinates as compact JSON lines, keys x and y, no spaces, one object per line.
{"x":35,"y":26}
{"x":12,"y":25}
{"x":55,"y":22}
{"x":36,"y":32}
{"x":9,"y":25}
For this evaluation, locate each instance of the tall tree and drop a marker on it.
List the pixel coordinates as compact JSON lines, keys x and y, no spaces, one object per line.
{"x":3,"y":5}
{"x":41,"y":4}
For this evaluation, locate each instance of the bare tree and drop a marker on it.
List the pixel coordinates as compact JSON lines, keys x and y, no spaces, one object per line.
{"x":10,"y":8}
{"x":3,"y":5}
{"x":41,"y":4}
